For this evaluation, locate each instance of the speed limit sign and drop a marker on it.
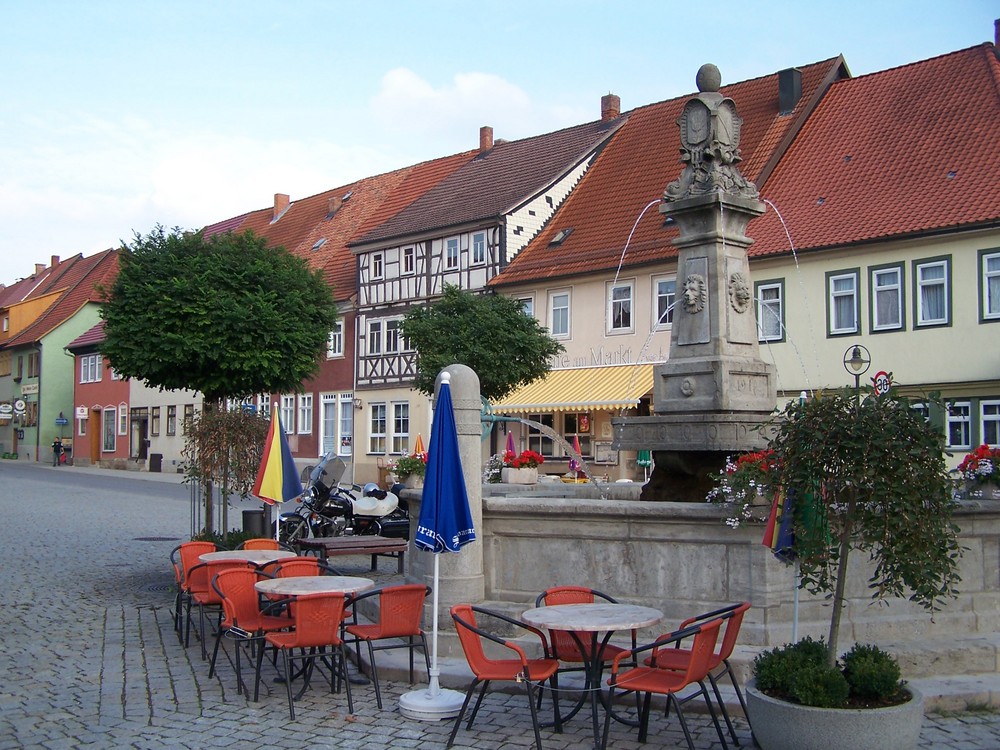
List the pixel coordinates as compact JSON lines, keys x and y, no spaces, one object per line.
{"x":882,"y":383}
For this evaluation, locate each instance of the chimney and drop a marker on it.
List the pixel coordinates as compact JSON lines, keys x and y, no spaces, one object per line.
{"x":333,"y":205}
{"x":789,"y":90}
{"x":280,"y":205}
{"x":996,"y":33}
{"x":39,"y":267}
{"x":611,"y":107}
{"x":485,"y":138}
{"x":55,"y":261}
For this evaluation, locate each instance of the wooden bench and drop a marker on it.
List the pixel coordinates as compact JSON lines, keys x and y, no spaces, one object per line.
{"x":376,"y":546}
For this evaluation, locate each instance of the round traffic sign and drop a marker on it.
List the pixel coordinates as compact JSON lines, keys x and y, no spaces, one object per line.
{"x":882,"y":383}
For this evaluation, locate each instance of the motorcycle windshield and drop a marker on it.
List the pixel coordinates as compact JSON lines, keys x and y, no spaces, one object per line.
{"x":328,"y":472}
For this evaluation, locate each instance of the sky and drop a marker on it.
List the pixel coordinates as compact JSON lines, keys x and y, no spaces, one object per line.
{"x":118,"y":115}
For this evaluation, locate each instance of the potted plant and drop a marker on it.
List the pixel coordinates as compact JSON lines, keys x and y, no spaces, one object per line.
{"x":410,"y":469}
{"x":869,"y":475}
{"x":981,"y":471}
{"x":521,"y":468}
{"x":745,"y":484}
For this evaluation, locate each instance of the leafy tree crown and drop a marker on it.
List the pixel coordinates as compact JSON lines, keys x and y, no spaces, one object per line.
{"x":490,"y":333}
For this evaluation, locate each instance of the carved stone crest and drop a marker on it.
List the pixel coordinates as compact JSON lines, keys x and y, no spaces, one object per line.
{"x":739,"y":292}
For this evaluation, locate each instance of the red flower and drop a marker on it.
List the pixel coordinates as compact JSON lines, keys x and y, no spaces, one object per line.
{"x":527,"y":459}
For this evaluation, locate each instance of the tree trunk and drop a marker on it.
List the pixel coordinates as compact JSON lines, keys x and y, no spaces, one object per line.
{"x":838,"y":594}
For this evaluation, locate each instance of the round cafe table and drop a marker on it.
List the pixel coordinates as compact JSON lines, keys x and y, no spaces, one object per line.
{"x":296,"y":585}
{"x":255,"y":556}
{"x":595,"y":619}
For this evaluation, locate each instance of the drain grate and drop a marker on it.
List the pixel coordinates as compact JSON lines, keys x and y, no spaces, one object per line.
{"x":158,"y":588}
{"x":157,"y":539}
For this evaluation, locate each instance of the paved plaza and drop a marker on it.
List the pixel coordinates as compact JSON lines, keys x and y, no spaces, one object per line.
{"x":90,"y":658}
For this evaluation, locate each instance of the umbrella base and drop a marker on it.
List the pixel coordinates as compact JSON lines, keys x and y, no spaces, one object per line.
{"x":421,"y":705}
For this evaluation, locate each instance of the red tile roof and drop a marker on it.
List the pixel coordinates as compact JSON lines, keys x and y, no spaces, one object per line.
{"x":371,"y":201}
{"x":88,"y":338}
{"x":83,"y":282}
{"x":905,"y":151}
{"x":495,"y":181}
{"x":635,"y":167}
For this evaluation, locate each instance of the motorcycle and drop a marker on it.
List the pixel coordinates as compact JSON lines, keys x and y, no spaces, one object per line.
{"x":327,"y":509}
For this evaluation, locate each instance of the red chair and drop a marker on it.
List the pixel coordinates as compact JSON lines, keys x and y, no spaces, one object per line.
{"x":184,"y":557}
{"x":529,"y":672}
{"x":202,"y":595}
{"x":647,"y":680}
{"x":317,"y":621}
{"x":565,"y":647}
{"x":260,"y":543}
{"x":677,"y":658}
{"x":242,"y":619}
{"x":399,"y":614}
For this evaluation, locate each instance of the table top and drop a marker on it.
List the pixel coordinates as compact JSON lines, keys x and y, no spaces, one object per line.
{"x":296,"y":585}
{"x":256,"y":556}
{"x":351,"y":542}
{"x":589,"y":618}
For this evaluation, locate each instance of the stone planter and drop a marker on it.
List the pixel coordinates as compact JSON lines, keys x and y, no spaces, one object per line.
{"x":519,"y":476}
{"x":988,"y":491}
{"x":778,"y":725}
{"x":413,"y":482}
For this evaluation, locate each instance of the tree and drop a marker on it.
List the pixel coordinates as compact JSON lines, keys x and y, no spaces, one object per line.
{"x":868,"y":476}
{"x":490,"y":333}
{"x":227,"y":316}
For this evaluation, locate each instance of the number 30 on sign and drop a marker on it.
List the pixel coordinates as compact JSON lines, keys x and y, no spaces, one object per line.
{"x":882,"y":383}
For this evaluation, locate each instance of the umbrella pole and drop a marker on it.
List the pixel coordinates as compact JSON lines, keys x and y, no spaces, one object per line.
{"x":432,"y":703}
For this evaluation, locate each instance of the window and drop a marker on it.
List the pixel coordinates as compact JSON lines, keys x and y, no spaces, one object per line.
{"x":924,"y":410}
{"x":171,"y":420}
{"x":337,"y":423}
{"x":110,"y":417}
{"x":335,"y":341}
{"x":305,"y":413}
{"x":154,"y":421}
{"x":401,"y":427}
{"x":33,"y":362}
{"x":770,"y":311}
{"x":287,"y":413}
{"x":392,"y":337}
{"x":264,"y":406}
{"x":537,"y":441}
{"x":376,"y":429}
{"x":990,"y":262}
{"x":375,"y":337}
{"x":20,"y":367}
{"x":528,"y":305}
{"x":619,"y":313}
{"x":188,"y":416}
{"x":123,"y":419}
{"x":90,"y":368}
{"x":959,"y":424}
{"x":989,"y":422}
{"x":6,"y":323}
{"x":114,"y":374}
{"x":81,"y":427}
{"x":887,"y":299}
{"x":479,"y":247}
{"x":559,"y":314}
{"x":409,"y":260}
{"x":664,"y":296}
{"x":451,"y":253}
{"x":842,"y":302}
{"x":378,"y":265}
{"x":933,"y":305}
{"x":578,"y":425}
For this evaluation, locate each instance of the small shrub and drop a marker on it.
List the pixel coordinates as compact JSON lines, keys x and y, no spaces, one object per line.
{"x":800,"y":672}
{"x":872,"y":673}
{"x":230,"y":540}
{"x":821,"y":686}
{"x":776,"y":669}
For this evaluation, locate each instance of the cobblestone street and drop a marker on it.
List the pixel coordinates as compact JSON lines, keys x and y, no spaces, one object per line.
{"x":90,"y":656}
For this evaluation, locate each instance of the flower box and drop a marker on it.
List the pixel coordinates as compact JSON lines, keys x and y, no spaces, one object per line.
{"x":528,"y":475}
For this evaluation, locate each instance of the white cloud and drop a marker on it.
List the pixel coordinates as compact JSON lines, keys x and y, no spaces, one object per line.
{"x":408,"y":104}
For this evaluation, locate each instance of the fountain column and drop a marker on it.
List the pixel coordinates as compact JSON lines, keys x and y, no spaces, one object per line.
{"x":714,"y":388}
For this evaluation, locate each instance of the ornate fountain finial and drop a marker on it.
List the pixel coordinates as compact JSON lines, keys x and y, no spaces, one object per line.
{"x":710,"y":139}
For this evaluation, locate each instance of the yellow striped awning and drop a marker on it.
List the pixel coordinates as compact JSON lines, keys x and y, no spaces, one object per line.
{"x":601,"y":388}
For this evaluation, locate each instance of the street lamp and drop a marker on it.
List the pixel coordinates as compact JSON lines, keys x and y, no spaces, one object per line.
{"x":857,"y":360}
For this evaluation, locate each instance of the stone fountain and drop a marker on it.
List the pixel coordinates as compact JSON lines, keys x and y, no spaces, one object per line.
{"x":714,"y":391}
